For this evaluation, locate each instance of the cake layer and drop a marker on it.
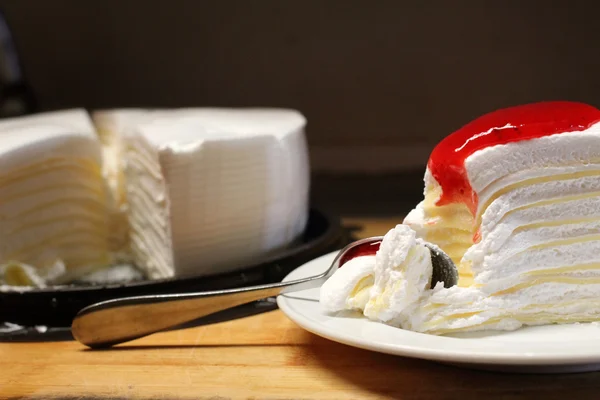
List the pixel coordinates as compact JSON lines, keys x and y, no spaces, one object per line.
{"x":109,"y":127}
{"x":568,"y":148}
{"x":455,"y":310}
{"x":148,"y":209}
{"x":451,"y":227}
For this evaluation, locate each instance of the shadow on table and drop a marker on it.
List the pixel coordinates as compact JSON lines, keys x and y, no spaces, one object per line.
{"x":405,"y":378}
{"x":187,"y":346}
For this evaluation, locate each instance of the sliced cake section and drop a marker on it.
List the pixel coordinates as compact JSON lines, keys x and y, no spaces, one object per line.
{"x":209,"y":190}
{"x":54,"y":210}
{"x":527,"y":183}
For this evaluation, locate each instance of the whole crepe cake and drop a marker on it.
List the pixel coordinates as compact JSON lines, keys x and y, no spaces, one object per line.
{"x":176,"y":193}
{"x":514,"y":199}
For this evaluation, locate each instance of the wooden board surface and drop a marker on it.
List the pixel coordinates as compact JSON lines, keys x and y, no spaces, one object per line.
{"x":261,"y":357}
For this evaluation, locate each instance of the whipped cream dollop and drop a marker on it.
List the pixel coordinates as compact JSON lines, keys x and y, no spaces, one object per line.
{"x":349,"y":288}
{"x":387,"y":286}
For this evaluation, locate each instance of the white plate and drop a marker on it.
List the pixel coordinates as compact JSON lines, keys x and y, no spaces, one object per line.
{"x":540,"y":349}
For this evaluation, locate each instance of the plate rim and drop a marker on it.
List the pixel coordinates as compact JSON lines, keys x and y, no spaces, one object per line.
{"x":286,"y":305}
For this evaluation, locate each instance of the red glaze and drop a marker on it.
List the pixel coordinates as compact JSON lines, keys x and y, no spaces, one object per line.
{"x":447,"y":161}
{"x":365,"y":249}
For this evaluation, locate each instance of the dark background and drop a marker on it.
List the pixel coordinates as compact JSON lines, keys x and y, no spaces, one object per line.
{"x":379,"y":81}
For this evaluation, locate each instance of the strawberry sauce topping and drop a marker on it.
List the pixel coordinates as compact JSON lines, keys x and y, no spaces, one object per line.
{"x":365,"y":249}
{"x":530,"y":121}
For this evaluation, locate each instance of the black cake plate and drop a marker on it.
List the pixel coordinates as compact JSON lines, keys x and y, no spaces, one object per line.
{"x":46,"y":314}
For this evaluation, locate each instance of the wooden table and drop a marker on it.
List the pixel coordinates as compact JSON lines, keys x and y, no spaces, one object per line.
{"x":264,"y":356}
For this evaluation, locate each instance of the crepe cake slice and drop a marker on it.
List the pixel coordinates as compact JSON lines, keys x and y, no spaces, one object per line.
{"x":514,"y":198}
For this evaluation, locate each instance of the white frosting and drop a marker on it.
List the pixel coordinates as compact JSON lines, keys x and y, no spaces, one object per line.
{"x":47,"y":135}
{"x":418,"y":219}
{"x":350,"y":286}
{"x":487,"y":165}
{"x":224,"y":187}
